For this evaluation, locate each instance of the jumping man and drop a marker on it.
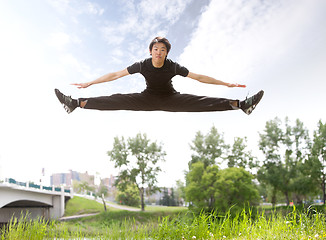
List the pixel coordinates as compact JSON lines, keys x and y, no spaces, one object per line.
{"x":159,"y":94}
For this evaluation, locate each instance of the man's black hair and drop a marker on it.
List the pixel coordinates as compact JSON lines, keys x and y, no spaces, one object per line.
{"x":162,"y":40}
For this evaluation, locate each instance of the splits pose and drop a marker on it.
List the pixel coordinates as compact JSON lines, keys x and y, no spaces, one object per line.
{"x":159,"y":94}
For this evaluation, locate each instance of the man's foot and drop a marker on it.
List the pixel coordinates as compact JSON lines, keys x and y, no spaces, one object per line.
{"x":250,"y":104}
{"x":68,"y":103}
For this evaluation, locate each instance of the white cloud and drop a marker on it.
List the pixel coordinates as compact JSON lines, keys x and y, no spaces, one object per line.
{"x":169,"y":10}
{"x":142,"y":21}
{"x":271,"y":45}
{"x":76,"y":7}
{"x":95,"y":9}
{"x":235,"y":39}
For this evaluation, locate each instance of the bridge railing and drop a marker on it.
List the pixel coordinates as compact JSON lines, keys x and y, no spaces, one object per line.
{"x":37,"y":186}
{"x":30,"y":185}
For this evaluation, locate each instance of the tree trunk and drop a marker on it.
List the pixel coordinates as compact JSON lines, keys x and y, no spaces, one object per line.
{"x":274,"y":197}
{"x":104,"y":204}
{"x":286,"y":194}
{"x":324,"y":190}
{"x":142,"y":198}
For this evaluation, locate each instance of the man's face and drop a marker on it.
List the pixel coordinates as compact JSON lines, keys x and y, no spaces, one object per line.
{"x":159,"y":52}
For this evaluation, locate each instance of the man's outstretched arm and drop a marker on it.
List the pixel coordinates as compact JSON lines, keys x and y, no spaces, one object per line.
{"x":210,"y":80}
{"x":105,"y":78}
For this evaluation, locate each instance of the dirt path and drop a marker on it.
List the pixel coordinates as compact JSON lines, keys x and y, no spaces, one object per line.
{"x":121,"y":207}
{"x":77,"y":216}
{"x":92,"y":214}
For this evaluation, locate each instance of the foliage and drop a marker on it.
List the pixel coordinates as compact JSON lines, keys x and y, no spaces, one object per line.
{"x":208,"y":149}
{"x":317,"y":159}
{"x":195,"y":186}
{"x":102,"y":192}
{"x":235,"y":188}
{"x":137,"y":158}
{"x":180,"y":192}
{"x":212,"y":188}
{"x":285,"y":149}
{"x":129,"y":196}
{"x":82,"y":186}
{"x":240,"y":157}
{"x":168,"y":199}
{"x":207,"y":187}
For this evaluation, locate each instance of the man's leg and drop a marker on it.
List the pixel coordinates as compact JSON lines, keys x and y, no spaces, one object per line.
{"x":192,"y":103}
{"x":131,"y":101}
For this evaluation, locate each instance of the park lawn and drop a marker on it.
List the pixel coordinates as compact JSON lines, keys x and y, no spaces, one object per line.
{"x":175,"y":223}
{"x":79,"y":206}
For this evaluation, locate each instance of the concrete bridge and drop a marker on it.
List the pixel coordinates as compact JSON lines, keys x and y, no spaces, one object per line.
{"x":19,"y":198}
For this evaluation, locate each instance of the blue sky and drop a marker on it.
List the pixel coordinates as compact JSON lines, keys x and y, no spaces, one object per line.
{"x":278,"y":46}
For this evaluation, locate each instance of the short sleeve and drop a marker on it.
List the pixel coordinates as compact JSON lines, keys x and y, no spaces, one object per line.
{"x":180,"y":70}
{"x":134,"y":68}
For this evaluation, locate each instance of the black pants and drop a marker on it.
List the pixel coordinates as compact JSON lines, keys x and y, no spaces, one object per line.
{"x":175,"y":102}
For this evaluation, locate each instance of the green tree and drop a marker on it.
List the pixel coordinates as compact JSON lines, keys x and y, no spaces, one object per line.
{"x":137,"y":158}
{"x":83,"y":186}
{"x":297,"y":144}
{"x":129,"y":196}
{"x":212,"y":188}
{"x":194,"y":186}
{"x":200,"y":189}
{"x":102,"y":192}
{"x":317,"y":159}
{"x":285,"y":148}
{"x":269,"y":173}
{"x":235,"y":187}
{"x":180,"y":192}
{"x":209,"y":179}
{"x":209,"y":148}
{"x":168,"y":199}
{"x":240,"y":156}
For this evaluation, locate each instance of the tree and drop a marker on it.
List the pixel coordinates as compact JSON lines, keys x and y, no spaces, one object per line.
{"x":180,"y":192}
{"x":317,"y":158}
{"x":83,"y":186}
{"x":297,"y":145}
{"x":168,"y":199}
{"x":137,"y":159}
{"x":199,"y":185}
{"x":208,"y":149}
{"x":129,"y":196}
{"x":269,"y":144}
{"x":212,"y":188}
{"x":239,"y":156}
{"x":235,"y":187}
{"x":102,"y":192}
{"x":285,"y":150}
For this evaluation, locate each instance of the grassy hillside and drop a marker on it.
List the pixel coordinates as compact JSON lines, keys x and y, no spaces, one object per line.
{"x":79,"y":205}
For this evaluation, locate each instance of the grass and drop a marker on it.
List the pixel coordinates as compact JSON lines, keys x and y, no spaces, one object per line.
{"x":178,"y":223}
{"x":79,"y":205}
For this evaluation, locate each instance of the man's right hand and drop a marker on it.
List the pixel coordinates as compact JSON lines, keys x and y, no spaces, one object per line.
{"x":82,"y":85}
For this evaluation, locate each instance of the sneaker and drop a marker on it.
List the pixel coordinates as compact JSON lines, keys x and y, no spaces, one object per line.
{"x":68,"y":103}
{"x":250,"y":104}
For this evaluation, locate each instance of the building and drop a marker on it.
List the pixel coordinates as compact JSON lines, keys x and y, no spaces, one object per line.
{"x":58,"y":179}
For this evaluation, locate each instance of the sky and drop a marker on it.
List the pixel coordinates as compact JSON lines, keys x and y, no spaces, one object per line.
{"x":277,"y":46}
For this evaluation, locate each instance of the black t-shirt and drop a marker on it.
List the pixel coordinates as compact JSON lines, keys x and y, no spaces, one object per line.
{"x":158,"y":80}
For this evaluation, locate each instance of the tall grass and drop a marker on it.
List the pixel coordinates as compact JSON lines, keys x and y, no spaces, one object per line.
{"x":308,"y":224}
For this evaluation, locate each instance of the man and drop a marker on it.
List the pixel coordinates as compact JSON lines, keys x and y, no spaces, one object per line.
{"x":159,"y":94}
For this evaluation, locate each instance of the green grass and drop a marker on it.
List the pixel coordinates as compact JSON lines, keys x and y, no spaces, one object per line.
{"x":79,"y":205}
{"x":178,"y":223}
